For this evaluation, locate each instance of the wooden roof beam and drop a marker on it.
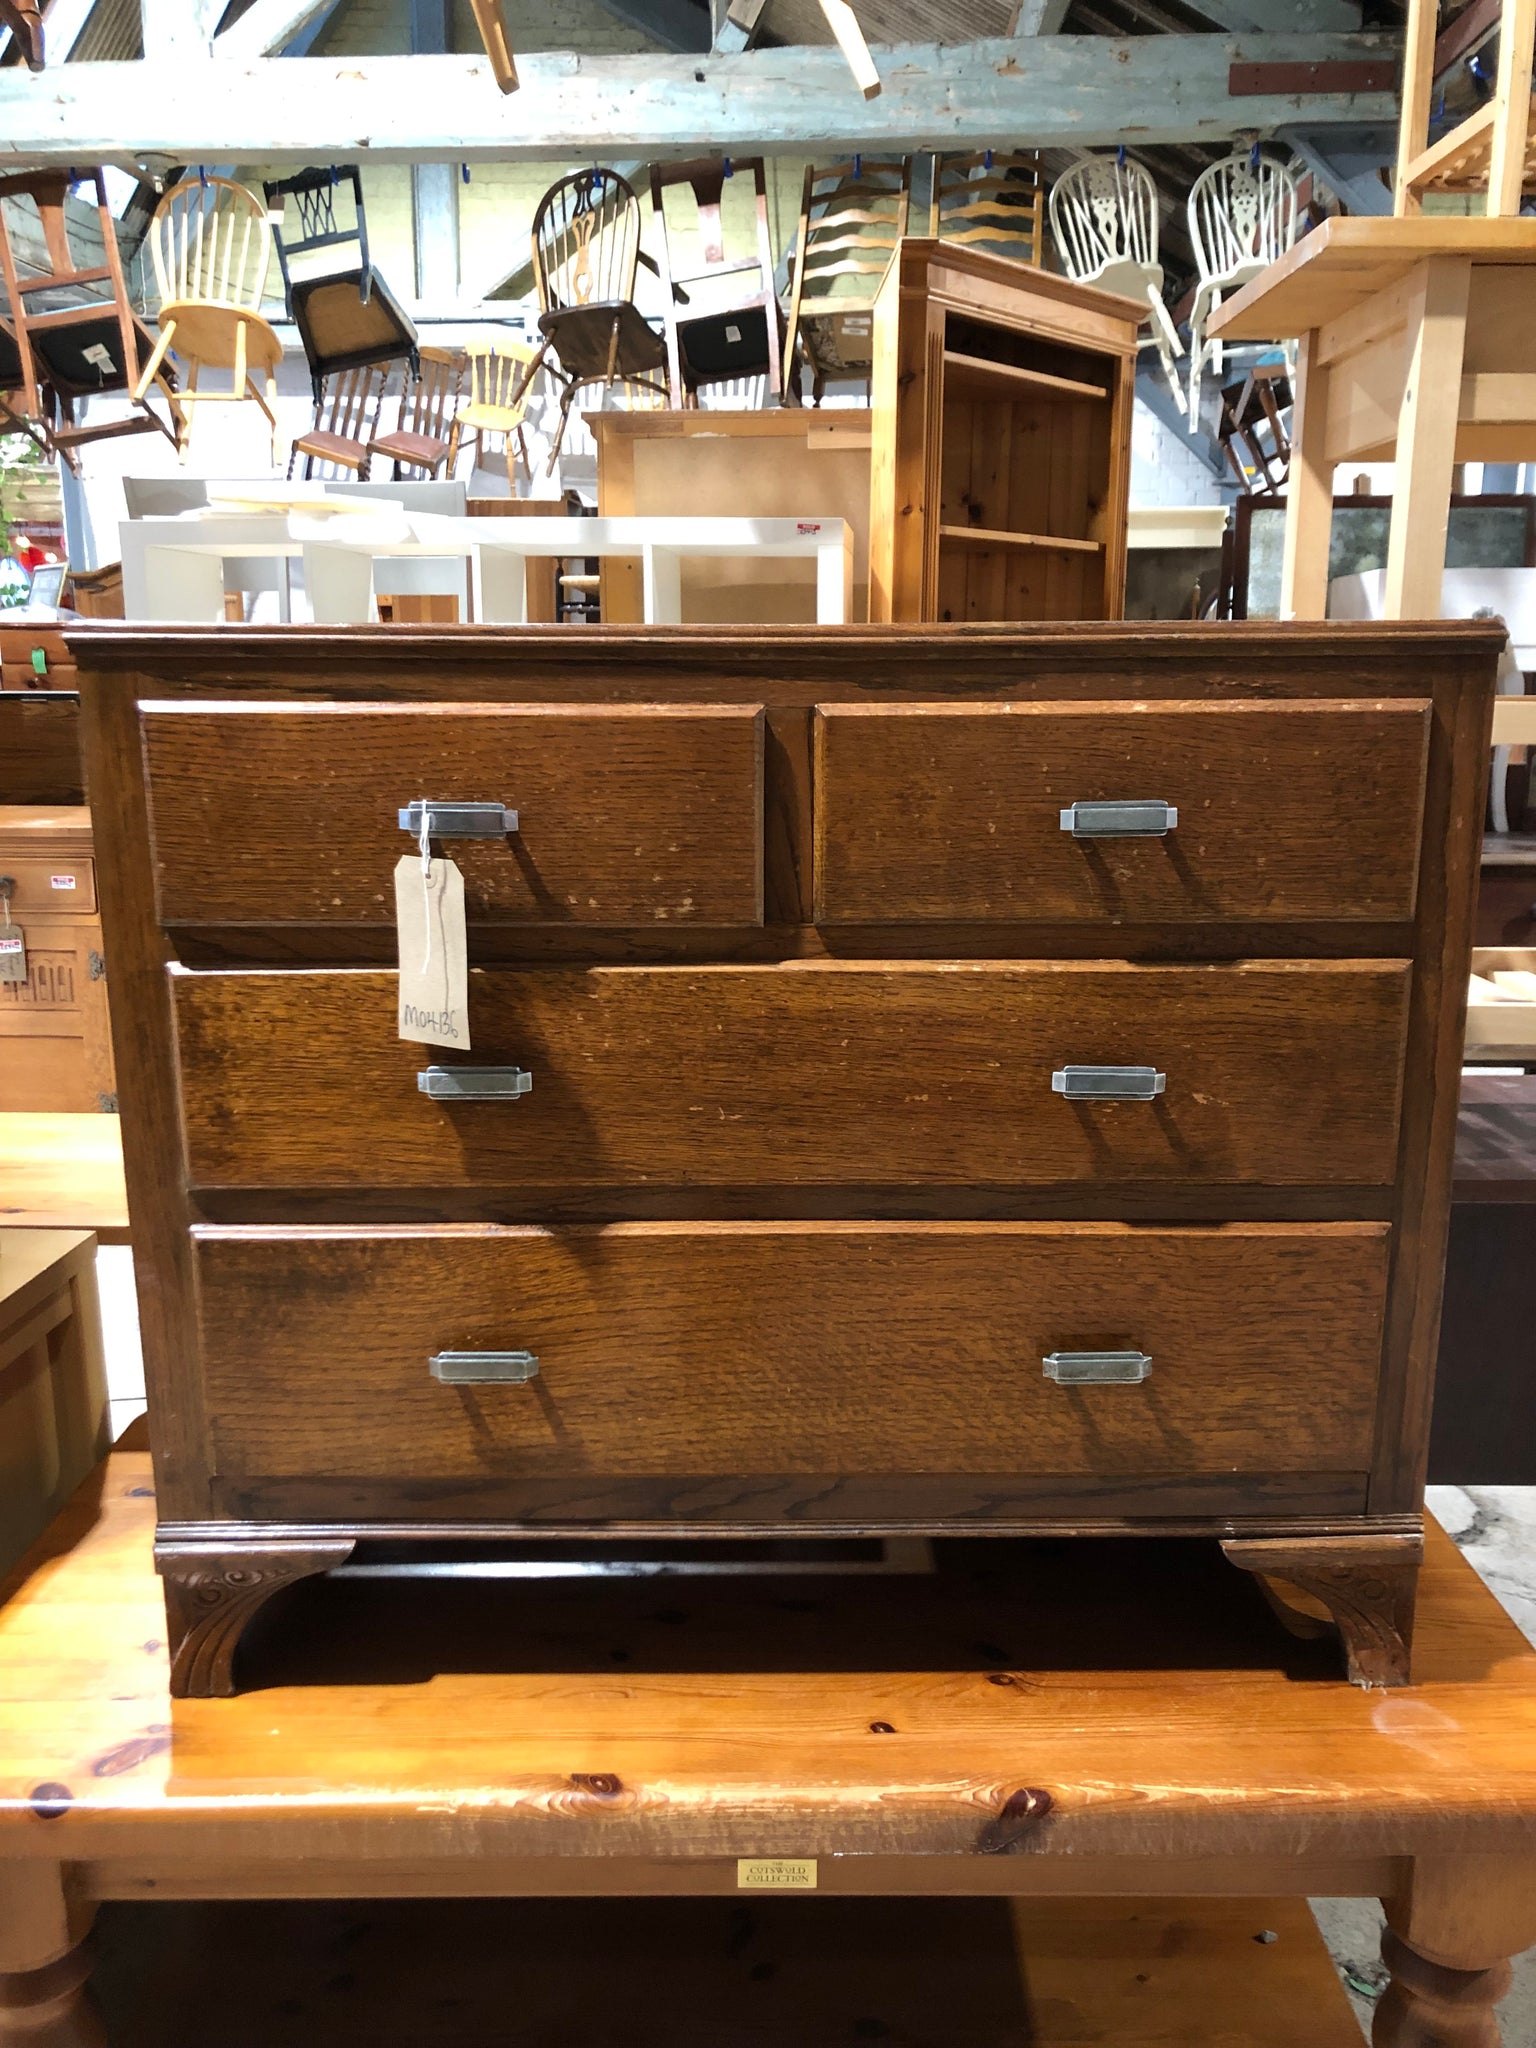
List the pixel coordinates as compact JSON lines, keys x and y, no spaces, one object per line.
{"x":1055,"y":91}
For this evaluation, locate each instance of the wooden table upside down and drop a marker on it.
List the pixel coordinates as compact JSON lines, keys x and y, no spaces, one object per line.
{"x":1107,"y":1719}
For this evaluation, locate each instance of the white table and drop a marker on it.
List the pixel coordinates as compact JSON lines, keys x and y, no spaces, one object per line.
{"x":177,"y":568}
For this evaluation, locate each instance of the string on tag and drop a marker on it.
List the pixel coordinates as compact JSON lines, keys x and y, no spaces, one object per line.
{"x":7,"y":884}
{"x":425,"y":843}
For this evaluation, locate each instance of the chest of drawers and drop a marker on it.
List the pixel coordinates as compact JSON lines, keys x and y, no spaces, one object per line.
{"x":984,"y":1080}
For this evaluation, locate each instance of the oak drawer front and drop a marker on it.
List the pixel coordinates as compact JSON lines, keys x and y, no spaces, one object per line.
{"x":765,"y":1349}
{"x":1285,"y":811}
{"x":1273,"y":1073}
{"x":49,"y":884}
{"x":650,"y":816}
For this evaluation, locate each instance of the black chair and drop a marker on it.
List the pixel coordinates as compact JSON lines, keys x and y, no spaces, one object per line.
{"x":346,"y":318}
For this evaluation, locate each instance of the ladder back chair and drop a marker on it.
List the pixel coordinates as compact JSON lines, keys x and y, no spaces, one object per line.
{"x":992,"y":199}
{"x":586,"y":248}
{"x":346,"y":423}
{"x":1104,"y":221}
{"x":1242,"y":217}
{"x":347,"y":316}
{"x":211,"y":249}
{"x":852,"y":215}
{"x":75,"y":333}
{"x":500,"y":379}
{"x":426,"y":434}
{"x":1493,"y":151}
{"x":743,"y":336}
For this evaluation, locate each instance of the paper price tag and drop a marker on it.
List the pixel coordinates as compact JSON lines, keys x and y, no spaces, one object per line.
{"x":13,"y":954}
{"x":434,"y":966}
{"x":776,"y":1873}
{"x":61,"y":881}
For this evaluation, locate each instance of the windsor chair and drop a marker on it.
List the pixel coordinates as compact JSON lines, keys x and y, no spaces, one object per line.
{"x":739,"y":336}
{"x":1242,"y":218}
{"x":344,"y":317}
{"x":75,"y":332}
{"x":211,"y":249}
{"x":852,"y":215}
{"x":1105,"y":223}
{"x":346,"y":422}
{"x":426,"y":434}
{"x":500,"y":378}
{"x":586,"y":248}
{"x":991,"y":199}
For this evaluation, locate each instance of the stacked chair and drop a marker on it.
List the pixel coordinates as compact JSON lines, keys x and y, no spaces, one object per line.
{"x":211,"y":249}
{"x":70,"y":333}
{"x":852,"y":215}
{"x":349,"y":317}
{"x":993,"y":200}
{"x":1105,"y":223}
{"x":586,"y":250}
{"x":744,"y":336}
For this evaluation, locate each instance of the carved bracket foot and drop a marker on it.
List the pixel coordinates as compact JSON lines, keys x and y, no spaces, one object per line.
{"x":212,"y":1591}
{"x":1427,"y":2005}
{"x":1367,"y":1584}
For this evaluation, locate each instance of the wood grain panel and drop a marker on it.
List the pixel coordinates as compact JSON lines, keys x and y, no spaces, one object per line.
{"x":949,"y":812}
{"x":1277,"y":1073}
{"x":650,"y":815}
{"x":40,"y":748}
{"x":764,"y":1348}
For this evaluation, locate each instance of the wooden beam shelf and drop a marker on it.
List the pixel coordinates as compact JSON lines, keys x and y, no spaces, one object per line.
{"x":993,"y":537}
{"x":972,"y":377}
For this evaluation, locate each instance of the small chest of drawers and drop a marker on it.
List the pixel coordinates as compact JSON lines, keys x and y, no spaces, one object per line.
{"x":974,"y":1081}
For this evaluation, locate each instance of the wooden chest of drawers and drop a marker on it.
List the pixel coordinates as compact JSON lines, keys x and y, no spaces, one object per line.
{"x":981,"y":1081}
{"x":55,"y":1038}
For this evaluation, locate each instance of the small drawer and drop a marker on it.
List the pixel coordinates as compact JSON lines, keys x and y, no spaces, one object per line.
{"x":49,"y":884}
{"x":1117,"y":813}
{"x":1268,"y":1073}
{"x":650,"y":1355}
{"x":650,"y":817}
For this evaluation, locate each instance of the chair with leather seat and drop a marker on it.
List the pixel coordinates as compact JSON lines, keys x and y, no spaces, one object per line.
{"x":74,"y":331}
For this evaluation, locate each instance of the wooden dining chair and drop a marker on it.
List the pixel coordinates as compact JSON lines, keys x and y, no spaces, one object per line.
{"x":426,"y":434}
{"x":741,"y":333}
{"x":345,"y":315}
{"x":346,"y":422}
{"x":586,"y":249}
{"x":852,"y":215}
{"x":501,"y":376}
{"x":211,"y":248}
{"x":1104,"y":219}
{"x":75,"y":331}
{"x":991,"y":199}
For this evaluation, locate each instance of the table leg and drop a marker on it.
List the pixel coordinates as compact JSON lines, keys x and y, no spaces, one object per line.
{"x":1449,"y":1939}
{"x":1426,"y":439}
{"x":1309,"y":493}
{"x":44,"y":2000}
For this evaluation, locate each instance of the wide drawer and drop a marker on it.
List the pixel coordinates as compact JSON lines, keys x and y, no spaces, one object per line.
{"x":646,"y":816}
{"x":660,"y":1353}
{"x":1285,"y":811}
{"x":875,"y":1074}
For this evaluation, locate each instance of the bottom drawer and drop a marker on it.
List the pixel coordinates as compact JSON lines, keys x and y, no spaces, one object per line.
{"x":730,"y":1372}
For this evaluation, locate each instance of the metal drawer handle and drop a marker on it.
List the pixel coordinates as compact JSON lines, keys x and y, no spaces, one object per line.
{"x":484,"y":1368}
{"x":1137,"y":820}
{"x":1096,"y":1368}
{"x":1108,"y":1084}
{"x":473,"y":1084}
{"x":459,"y":821}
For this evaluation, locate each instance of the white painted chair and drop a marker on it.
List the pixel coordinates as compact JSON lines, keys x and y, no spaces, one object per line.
{"x":1242,"y":218}
{"x":1104,"y":220}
